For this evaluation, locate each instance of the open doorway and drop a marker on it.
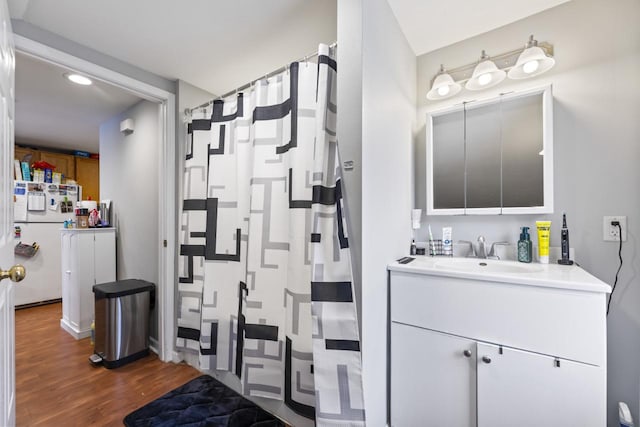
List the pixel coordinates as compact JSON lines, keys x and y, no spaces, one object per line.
{"x":58,"y":122}
{"x":57,"y":129}
{"x":163,"y":240}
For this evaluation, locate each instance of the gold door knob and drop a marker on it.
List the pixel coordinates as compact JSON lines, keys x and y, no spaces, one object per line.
{"x":15,"y":273}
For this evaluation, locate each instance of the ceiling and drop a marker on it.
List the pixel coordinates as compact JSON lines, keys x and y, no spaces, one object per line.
{"x":216,"y":45}
{"x":53,"y":112}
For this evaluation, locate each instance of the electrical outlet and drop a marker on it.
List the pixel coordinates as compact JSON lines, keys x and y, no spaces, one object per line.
{"x":611,"y":233}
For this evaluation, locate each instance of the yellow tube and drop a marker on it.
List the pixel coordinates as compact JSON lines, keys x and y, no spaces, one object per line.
{"x":544,"y":231}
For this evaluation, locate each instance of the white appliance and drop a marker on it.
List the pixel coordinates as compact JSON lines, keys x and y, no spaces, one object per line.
{"x":39,"y":210}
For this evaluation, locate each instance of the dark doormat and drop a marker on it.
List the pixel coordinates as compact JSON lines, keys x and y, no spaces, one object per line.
{"x":203,"y":401}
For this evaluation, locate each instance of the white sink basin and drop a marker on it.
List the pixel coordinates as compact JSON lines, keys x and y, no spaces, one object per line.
{"x":486,"y":266}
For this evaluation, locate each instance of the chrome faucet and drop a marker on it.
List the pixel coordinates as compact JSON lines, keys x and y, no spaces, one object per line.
{"x":492,"y":252}
{"x":479,"y":250}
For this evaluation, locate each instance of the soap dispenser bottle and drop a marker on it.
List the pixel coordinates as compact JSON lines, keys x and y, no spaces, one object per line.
{"x":524,"y":246}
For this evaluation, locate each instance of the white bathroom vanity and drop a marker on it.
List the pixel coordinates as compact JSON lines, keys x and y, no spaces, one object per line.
{"x":489,"y":343}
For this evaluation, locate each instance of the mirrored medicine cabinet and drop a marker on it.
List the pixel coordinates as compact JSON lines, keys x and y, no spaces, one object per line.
{"x":493,"y":156}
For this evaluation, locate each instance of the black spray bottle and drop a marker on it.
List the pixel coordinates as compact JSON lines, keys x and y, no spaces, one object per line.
{"x":564,"y":242}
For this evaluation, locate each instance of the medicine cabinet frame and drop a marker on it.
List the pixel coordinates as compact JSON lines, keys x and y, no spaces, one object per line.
{"x":547,"y":154}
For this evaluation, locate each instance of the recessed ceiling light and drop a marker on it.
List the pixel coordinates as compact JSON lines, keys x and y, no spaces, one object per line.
{"x":78,"y":79}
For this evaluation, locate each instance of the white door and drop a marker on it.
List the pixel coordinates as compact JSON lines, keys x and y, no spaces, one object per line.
{"x":7,"y":338}
{"x":520,"y":388}
{"x":433,"y":381}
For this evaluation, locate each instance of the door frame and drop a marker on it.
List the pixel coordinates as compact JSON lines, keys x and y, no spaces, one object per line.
{"x":166,"y":171}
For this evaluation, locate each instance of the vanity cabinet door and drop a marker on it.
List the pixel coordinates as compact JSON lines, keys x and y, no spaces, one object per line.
{"x":433,"y":380}
{"x":530,"y":390}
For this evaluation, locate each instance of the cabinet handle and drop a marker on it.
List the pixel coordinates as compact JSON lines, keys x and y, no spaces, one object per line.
{"x":486,"y":359}
{"x":466,"y":353}
{"x":68,"y":271}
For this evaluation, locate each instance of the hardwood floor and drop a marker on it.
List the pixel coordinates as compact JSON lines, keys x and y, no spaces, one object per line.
{"x":57,"y":386}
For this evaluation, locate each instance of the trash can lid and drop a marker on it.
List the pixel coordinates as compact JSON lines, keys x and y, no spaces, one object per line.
{"x":121,"y":288}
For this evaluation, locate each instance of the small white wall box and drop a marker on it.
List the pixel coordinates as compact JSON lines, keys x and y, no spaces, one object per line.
{"x":126,"y":126}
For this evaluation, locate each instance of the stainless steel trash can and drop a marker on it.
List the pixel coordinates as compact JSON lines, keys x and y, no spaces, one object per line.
{"x":122,"y":321}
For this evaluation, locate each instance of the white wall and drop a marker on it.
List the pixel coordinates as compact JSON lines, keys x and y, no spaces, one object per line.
{"x":129,"y":177}
{"x":388,"y":120}
{"x":596,"y":86}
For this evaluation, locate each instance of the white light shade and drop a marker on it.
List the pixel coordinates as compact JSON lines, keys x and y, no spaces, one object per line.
{"x":531,"y":62}
{"x":443,"y":87}
{"x":78,"y":79}
{"x":485,"y":75}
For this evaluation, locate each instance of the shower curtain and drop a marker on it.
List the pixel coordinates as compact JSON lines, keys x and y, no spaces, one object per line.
{"x":265,"y":285}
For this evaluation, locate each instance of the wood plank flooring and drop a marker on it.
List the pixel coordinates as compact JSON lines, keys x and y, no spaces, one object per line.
{"x":57,"y":386}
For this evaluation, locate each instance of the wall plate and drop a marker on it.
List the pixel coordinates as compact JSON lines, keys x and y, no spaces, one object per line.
{"x":610,"y":233}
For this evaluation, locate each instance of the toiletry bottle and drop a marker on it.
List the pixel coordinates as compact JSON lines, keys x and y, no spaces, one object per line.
{"x":524,"y":246}
{"x":544,"y":231}
{"x":412,"y":250}
{"x":447,"y":241}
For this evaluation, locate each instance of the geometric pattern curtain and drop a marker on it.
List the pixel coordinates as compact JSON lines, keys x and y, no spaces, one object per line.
{"x":265,"y":283}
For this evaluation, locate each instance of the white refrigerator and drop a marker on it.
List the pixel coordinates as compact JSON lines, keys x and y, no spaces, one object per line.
{"x":39,"y":212}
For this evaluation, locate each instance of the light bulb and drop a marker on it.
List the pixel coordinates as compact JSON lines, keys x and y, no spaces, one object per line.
{"x":443,"y":90}
{"x":484,"y":79}
{"x":531,"y":66}
{"x":78,"y":79}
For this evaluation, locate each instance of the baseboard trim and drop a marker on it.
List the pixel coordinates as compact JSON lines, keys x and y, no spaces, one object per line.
{"x":38,"y":304}
{"x":153,"y":345}
{"x":76,"y":333}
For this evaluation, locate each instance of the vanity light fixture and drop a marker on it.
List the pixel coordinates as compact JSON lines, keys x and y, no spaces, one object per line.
{"x":535,"y":59}
{"x":443,"y":86}
{"x":485,"y":75}
{"x":78,"y":79}
{"x":531,"y":62}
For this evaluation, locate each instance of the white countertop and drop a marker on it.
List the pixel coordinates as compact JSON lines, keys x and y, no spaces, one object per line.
{"x":546,"y":275}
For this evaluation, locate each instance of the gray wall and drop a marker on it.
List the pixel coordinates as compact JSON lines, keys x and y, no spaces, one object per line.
{"x":349,"y":129}
{"x":596,"y":86}
{"x":388,"y":119}
{"x":376,"y":100}
{"x":129,"y":177}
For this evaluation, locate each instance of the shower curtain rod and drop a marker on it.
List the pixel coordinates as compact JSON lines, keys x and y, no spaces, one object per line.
{"x":266,"y":76}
